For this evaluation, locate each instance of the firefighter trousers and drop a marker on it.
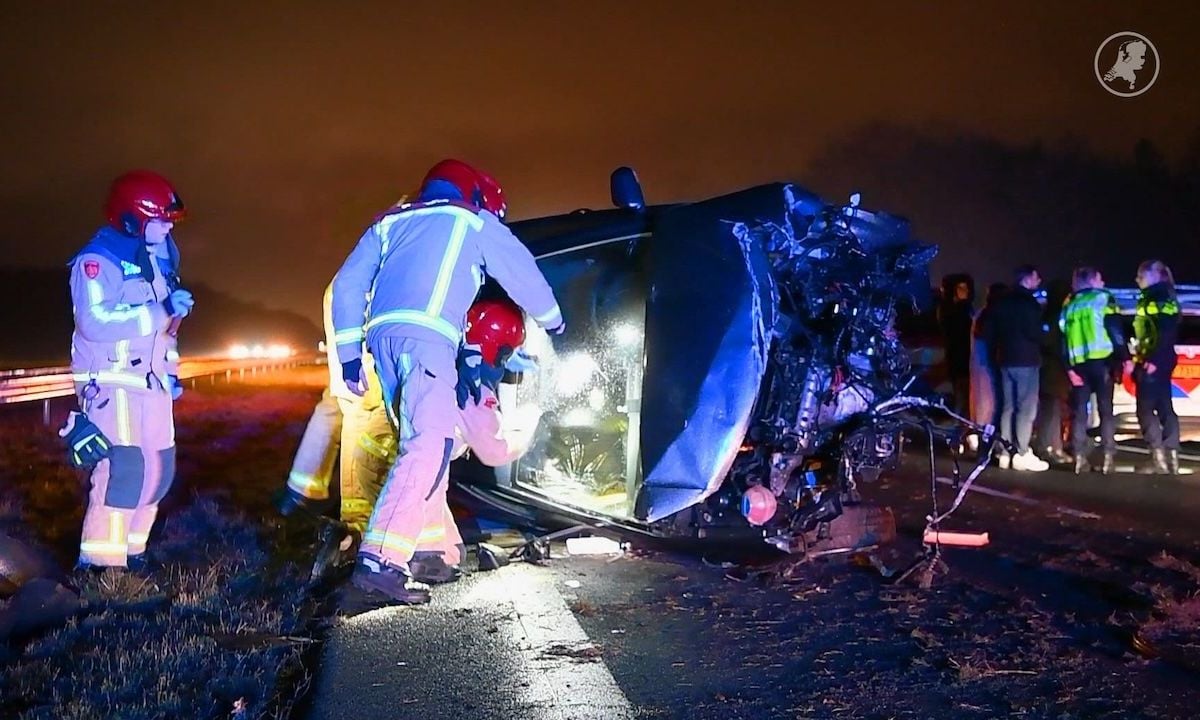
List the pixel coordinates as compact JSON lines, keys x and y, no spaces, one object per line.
{"x":127,"y":487}
{"x":418,"y":380}
{"x":337,"y":432}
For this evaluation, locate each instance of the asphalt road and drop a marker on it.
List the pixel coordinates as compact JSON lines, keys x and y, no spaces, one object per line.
{"x":1082,"y":606}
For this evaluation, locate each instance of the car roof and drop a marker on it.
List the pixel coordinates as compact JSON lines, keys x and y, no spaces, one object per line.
{"x":581,"y":227}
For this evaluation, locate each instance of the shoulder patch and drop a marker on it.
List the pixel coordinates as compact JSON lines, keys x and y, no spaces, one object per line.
{"x":490,"y":403}
{"x":91,"y":268}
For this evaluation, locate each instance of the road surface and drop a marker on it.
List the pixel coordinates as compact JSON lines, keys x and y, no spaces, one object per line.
{"x":1080,"y":607}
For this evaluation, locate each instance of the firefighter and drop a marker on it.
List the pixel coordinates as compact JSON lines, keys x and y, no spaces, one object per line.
{"x":336,"y":424}
{"x":1094,"y":350}
{"x":1156,"y":331}
{"x":494,"y":328}
{"x":123,"y":309}
{"x":421,"y":265}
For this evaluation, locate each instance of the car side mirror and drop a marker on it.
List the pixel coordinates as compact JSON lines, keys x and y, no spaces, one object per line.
{"x":626,"y":190}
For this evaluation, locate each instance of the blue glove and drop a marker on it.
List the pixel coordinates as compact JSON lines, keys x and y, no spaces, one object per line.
{"x":86,"y":445}
{"x":473,"y":375}
{"x":174,"y":386}
{"x":179,"y":303}
{"x":521,"y":362}
{"x":352,"y":374}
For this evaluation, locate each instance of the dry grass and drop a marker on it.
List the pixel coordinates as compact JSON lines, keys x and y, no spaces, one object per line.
{"x":218,"y":627}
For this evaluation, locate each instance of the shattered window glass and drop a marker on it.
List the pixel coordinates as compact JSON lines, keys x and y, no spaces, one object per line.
{"x":589,"y":385}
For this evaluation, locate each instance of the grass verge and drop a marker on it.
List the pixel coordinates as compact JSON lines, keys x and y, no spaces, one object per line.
{"x":218,"y":627}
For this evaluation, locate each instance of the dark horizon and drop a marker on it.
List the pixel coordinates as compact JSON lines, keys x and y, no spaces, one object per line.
{"x":286,"y":126}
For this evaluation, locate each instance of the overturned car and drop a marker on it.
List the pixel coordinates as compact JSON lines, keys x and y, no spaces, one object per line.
{"x":731,"y":369}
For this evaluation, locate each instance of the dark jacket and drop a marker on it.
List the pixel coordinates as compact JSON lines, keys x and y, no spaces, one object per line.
{"x":1156,"y":326}
{"x":955,"y":319}
{"x":1014,"y":329}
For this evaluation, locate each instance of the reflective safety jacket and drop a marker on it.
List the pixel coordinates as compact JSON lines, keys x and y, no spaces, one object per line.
{"x":1091,"y":327}
{"x":418,"y":268}
{"x":1156,"y":326}
{"x":117,"y":292}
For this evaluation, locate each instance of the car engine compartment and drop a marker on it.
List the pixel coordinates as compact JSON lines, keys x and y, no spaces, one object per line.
{"x":838,"y":390}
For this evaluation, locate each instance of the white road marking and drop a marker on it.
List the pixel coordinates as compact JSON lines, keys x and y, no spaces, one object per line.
{"x":1024,"y":500}
{"x":563,"y":667}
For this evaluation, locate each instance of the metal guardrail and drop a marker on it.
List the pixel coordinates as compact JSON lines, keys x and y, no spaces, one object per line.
{"x":46,"y":384}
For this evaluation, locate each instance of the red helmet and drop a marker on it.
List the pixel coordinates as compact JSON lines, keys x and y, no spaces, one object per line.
{"x":475,"y":187}
{"x":497,"y":327}
{"x":139,"y":196}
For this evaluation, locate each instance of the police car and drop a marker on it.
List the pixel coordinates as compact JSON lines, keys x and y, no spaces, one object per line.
{"x":1185,"y":381}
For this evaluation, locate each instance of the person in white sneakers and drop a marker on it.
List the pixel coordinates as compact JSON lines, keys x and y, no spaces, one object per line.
{"x":1016,"y":331}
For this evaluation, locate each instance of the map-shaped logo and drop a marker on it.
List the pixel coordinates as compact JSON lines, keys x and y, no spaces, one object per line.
{"x":1126,"y":64}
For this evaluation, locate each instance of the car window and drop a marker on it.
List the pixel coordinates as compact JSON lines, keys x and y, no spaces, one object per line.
{"x":589,"y":384}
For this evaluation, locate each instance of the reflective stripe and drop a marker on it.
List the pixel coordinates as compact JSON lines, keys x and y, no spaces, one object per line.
{"x":1155,"y":308}
{"x":383,"y":229}
{"x":430,"y":534}
{"x":122,"y":350}
{"x":436,"y":207}
{"x":375,"y":448}
{"x":111,"y":378}
{"x":404,"y":427}
{"x":138,"y":540}
{"x":116,"y":545}
{"x":437,"y":299}
{"x":104,"y":548}
{"x":172,"y":356}
{"x":544,"y":319}
{"x":387,"y":541}
{"x":96,"y":302}
{"x":124,"y":429}
{"x":305,"y":484}
{"x":345,"y":337}
{"x":416,"y":317}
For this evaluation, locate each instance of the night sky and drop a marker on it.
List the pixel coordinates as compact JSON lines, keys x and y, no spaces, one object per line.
{"x":286,"y":125}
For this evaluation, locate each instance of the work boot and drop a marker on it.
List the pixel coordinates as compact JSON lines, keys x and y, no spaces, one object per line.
{"x":1173,"y":461}
{"x":1081,"y":464}
{"x":1157,"y":464}
{"x":376,"y":575}
{"x":287,"y":501}
{"x":337,"y":546}
{"x":432,"y":568}
{"x":1110,"y":463}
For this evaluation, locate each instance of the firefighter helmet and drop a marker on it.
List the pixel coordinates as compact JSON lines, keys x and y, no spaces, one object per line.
{"x":140,"y":196}
{"x":497,"y":327}
{"x":472,"y":186}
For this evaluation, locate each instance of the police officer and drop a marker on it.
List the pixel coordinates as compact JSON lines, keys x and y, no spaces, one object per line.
{"x":123,"y":309}
{"x":1156,"y":331}
{"x":1094,"y":349}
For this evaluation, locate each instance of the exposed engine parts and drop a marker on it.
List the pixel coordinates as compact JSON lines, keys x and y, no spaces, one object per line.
{"x":833,"y":404}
